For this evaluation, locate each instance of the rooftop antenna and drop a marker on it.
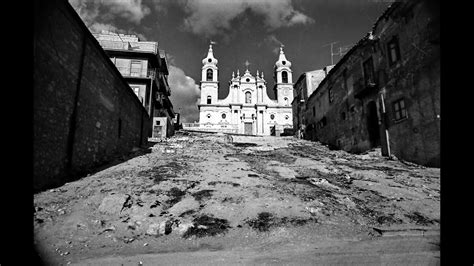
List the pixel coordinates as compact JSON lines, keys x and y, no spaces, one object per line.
{"x":344,"y":49}
{"x":332,"y":53}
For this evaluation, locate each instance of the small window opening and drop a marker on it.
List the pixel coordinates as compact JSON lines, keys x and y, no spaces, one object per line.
{"x":399,"y":110}
{"x":284,"y":77}
{"x":209,"y":75}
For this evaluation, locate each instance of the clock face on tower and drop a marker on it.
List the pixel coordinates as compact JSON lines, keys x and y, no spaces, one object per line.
{"x":285,"y":92}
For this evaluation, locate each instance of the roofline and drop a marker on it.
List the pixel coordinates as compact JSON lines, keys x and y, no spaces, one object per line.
{"x":362,"y":41}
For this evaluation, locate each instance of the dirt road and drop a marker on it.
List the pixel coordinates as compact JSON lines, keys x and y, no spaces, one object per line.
{"x":207,"y":199}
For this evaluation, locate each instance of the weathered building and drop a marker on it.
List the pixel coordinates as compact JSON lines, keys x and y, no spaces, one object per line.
{"x":84,"y":111}
{"x":302,"y":89}
{"x":386,"y":90}
{"x":247,"y":109}
{"x":145,"y":68}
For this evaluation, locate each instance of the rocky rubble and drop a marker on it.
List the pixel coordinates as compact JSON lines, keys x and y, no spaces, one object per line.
{"x":196,"y":187}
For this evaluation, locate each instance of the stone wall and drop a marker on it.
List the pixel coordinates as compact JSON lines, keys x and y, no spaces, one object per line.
{"x":85,"y":114}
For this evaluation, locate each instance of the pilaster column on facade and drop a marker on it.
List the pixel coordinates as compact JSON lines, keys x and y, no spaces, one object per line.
{"x":260,"y":119}
{"x":235,"y":116}
{"x":232,"y":91}
{"x":259,"y":94}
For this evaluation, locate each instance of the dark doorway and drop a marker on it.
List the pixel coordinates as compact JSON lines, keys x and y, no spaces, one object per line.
{"x":248,"y":128}
{"x":373,"y":124}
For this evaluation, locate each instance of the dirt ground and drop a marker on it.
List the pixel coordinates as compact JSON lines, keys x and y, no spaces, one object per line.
{"x":213,"y":199}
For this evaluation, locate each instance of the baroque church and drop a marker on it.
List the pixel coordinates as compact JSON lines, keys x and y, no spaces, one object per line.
{"x":247,"y":109}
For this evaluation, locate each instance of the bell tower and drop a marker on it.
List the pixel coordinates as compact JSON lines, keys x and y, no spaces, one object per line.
{"x":209,"y":81}
{"x":283,"y":80}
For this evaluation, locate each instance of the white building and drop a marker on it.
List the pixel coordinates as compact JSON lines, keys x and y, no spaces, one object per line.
{"x":247,"y":109}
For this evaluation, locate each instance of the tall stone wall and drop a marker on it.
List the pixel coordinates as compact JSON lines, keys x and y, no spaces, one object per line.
{"x":85,"y":114}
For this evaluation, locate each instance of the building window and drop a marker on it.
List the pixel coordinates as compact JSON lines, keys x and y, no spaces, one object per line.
{"x":393,"y":50}
{"x":223,"y":116}
{"x":285,"y":100}
{"x":284,"y":77}
{"x":247,"y":79}
{"x":248,"y":97}
{"x":399,"y":109}
{"x":287,"y":117}
{"x":344,"y":76}
{"x":136,"y":68}
{"x":136,"y":90}
{"x":157,"y":122}
{"x":208,"y":115}
{"x":235,"y":111}
{"x":209,"y":75}
{"x":324,"y":122}
{"x":272,"y":116}
{"x":209,"y":101}
{"x":369,"y":72}
{"x":330,"y":95}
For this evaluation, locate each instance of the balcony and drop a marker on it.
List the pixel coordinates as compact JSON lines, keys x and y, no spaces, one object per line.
{"x":363,"y":88}
{"x":128,"y":73}
{"x":150,"y":47}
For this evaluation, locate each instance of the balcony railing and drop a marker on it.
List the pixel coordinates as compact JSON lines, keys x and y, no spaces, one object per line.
{"x":129,"y":46}
{"x":127,"y":72}
{"x":362,"y":87}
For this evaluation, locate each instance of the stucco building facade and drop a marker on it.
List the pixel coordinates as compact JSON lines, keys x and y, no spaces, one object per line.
{"x":302,"y":89}
{"x":145,"y":69}
{"x":247,"y":109}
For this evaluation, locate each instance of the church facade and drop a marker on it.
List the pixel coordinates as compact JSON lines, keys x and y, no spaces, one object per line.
{"x":247,"y":109}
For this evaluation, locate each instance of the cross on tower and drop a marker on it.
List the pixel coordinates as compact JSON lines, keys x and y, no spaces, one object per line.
{"x":247,"y":64}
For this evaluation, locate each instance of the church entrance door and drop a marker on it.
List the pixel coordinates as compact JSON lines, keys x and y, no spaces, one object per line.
{"x":248,"y":128}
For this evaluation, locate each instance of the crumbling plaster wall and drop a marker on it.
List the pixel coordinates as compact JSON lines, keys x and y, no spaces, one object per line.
{"x":415,"y":78}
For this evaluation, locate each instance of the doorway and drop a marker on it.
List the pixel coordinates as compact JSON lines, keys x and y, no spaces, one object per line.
{"x":373,"y":124}
{"x":248,"y":128}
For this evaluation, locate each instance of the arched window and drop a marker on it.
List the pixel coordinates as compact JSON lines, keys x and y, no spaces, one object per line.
{"x":209,"y":75}
{"x":285,"y":100}
{"x":248,"y":97}
{"x":208,"y":99}
{"x":284,"y":77}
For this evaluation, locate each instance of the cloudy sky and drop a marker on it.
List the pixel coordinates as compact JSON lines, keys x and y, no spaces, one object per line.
{"x":243,"y":30}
